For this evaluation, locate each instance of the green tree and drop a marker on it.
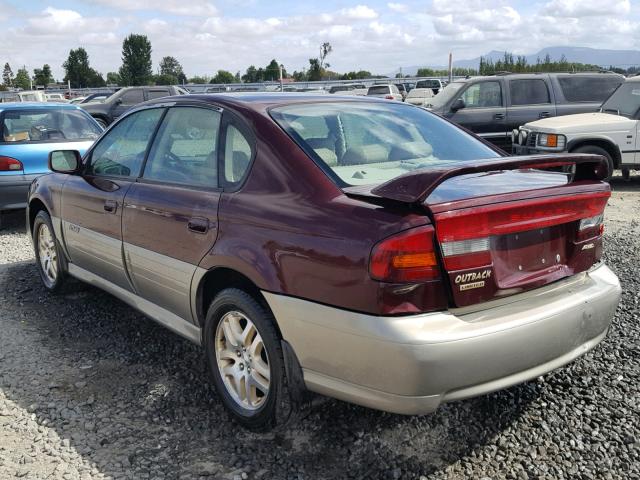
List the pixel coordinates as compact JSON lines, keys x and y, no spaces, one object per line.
{"x":199,"y":80}
{"x":78,"y":72}
{"x":224,"y":77}
{"x":171,"y":66}
{"x":136,"y":60}
{"x":42,"y":76}
{"x":251,"y":75}
{"x":315,"y":70}
{"x":22,"y":79}
{"x":7,"y":75}
{"x":165,"y":79}
{"x":325,"y":49}
{"x":272,"y":71}
{"x":113,"y":78}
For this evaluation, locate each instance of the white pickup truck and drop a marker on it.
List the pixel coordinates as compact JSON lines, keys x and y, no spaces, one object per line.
{"x":613,"y":132}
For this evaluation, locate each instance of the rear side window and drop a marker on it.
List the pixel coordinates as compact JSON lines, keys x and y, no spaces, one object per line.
{"x":529,"y":92}
{"x":237,"y":155}
{"x":121,"y":151}
{"x":158,"y":94}
{"x":185,"y":149}
{"x":588,"y":89}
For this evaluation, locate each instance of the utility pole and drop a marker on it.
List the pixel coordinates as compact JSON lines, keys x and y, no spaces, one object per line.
{"x":281,"y":83}
{"x":450,"y":67}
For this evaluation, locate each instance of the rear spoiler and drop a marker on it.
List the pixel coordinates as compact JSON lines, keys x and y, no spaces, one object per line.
{"x":416,"y":186}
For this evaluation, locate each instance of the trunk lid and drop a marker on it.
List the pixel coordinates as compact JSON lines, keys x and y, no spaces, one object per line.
{"x":504,"y":227}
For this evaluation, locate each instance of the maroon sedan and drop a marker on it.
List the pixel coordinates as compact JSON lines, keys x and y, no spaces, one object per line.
{"x":366,"y":250}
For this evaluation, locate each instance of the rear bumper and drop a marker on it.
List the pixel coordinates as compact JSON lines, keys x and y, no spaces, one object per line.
{"x":412,"y":364}
{"x":14,"y":190}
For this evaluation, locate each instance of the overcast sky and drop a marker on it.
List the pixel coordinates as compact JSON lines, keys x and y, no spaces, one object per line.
{"x":373,"y":35}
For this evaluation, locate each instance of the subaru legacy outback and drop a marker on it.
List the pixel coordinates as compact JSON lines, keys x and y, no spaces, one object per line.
{"x":362,"y":249}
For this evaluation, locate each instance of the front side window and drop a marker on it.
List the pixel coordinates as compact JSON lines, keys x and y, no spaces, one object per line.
{"x":132,"y":97}
{"x":185,"y":149}
{"x":121,"y":151}
{"x":49,"y":125}
{"x":367,"y":143}
{"x":529,"y":92}
{"x":483,"y":95}
{"x":625,"y":100}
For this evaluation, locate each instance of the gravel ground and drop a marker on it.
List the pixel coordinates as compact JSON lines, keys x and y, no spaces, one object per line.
{"x":91,"y":389}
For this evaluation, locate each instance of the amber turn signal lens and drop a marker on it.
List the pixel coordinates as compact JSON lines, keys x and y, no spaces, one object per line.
{"x":413,"y":260}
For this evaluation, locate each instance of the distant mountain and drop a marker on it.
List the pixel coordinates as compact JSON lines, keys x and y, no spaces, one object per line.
{"x":595,"y":56}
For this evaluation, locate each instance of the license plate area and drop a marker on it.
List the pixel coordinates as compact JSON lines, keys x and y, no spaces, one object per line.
{"x":531,"y":257}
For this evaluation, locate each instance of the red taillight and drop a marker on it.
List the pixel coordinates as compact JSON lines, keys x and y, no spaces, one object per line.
{"x":389,"y":97}
{"x":406,"y":257}
{"x":8,"y":164}
{"x":519,"y":216}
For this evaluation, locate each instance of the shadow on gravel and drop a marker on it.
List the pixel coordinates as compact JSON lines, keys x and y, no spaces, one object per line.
{"x":133,"y":399}
{"x":631,"y":185}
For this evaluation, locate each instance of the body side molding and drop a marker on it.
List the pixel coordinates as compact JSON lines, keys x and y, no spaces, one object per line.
{"x":164,"y":317}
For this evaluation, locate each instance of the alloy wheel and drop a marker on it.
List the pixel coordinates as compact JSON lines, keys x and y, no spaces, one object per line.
{"x":48,"y":254}
{"x":242,"y":360}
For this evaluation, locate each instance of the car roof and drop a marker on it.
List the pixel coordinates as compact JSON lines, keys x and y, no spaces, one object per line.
{"x":259,"y":100}
{"x":37,"y":106}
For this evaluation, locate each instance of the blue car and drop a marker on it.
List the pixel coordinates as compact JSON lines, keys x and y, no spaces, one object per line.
{"x":28,"y":132}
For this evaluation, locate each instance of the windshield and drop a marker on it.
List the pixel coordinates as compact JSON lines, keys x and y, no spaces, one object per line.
{"x":446,"y":94}
{"x":370,"y":143}
{"x":624,"y":101}
{"x":48,"y":125}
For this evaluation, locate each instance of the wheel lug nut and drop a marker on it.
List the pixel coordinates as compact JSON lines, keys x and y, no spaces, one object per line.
{"x":238,"y":353}
{"x":241,"y":366}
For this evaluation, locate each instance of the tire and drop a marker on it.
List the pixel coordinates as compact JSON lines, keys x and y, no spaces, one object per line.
{"x":626,"y":174}
{"x":103,"y":123}
{"x":50,"y":260}
{"x":593,"y":149}
{"x":227,"y":320}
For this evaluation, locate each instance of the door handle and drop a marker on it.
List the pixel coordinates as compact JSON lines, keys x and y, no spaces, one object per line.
{"x":544,"y":114}
{"x":499,"y":116}
{"x":198,"y":225}
{"x":110,"y":206}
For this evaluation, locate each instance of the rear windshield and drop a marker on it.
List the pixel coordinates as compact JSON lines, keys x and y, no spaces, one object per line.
{"x":370,"y":143}
{"x":428,"y":84}
{"x":378,"y":90}
{"x":50,"y":125}
{"x":588,"y":89}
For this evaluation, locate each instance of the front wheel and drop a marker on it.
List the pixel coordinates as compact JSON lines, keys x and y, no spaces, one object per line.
{"x":49,"y":257}
{"x":244,"y":356}
{"x":594,"y":149}
{"x":101,"y":122}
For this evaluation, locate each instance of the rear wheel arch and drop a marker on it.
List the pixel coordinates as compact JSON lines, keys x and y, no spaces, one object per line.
{"x":607,"y":145}
{"x":221,"y":278}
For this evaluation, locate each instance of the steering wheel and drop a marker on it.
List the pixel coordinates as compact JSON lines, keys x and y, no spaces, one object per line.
{"x":174,"y":164}
{"x":49,"y":131}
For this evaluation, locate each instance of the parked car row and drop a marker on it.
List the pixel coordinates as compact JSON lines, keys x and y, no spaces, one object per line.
{"x":493,"y":106}
{"x":613,"y":132}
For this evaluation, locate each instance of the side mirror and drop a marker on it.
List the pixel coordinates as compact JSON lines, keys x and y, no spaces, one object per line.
{"x":65,"y":161}
{"x":458,"y":105}
{"x":118,"y":102}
